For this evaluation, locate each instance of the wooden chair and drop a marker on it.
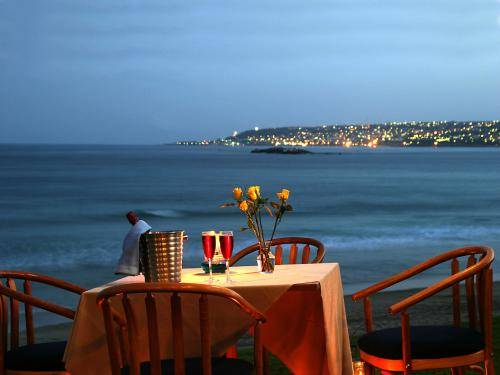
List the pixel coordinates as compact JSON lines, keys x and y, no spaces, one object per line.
{"x":416,"y":348}
{"x":125,"y":360}
{"x":278,"y":243}
{"x":32,"y":358}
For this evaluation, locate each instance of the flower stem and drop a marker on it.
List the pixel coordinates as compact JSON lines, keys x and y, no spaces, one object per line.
{"x":262,"y":231}
{"x":277,"y":220}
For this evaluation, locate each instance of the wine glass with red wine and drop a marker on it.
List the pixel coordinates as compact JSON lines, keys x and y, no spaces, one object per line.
{"x":208,"y":240}
{"x":226,"y":248}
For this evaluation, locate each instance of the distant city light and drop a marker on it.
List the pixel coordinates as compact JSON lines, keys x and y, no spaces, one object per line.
{"x":403,"y":134}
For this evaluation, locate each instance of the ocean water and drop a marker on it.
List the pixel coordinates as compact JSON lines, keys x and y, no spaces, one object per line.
{"x":377,"y":211}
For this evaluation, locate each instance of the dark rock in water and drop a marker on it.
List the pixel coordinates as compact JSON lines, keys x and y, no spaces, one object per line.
{"x":281,"y":150}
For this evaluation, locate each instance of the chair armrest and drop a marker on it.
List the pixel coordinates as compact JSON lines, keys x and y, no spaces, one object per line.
{"x":48,"y":280}
{"x":37,"y":302}
{"x":375,"y":288}
{"x":436,"y":288}
{"x":485,"y":260}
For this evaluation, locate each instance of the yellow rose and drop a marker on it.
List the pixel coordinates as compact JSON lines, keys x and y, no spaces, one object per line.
{"x":238,"y":193}
{"x":285,"y":193}
{"x":252,"y":195}
{"x":253,"y":192}
{"x":243,"y":206}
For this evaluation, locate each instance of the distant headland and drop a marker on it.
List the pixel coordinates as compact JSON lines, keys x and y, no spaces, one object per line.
{"x":399,"y":134}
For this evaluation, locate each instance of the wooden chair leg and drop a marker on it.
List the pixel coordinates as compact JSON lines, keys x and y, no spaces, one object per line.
{"x":387,"y":372}
{"x":369,"y":370}
{"x":488,"y":366}
{"x":265,"y":361}
{"x":456,"y":371}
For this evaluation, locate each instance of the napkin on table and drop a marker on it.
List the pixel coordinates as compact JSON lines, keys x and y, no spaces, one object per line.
{"x":129,"y":260}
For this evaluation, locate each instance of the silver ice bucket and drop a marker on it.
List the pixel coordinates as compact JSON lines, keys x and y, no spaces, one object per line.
{"x":162,"y":255}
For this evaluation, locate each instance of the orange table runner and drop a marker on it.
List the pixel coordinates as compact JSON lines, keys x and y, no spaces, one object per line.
{"x":306,"y":327}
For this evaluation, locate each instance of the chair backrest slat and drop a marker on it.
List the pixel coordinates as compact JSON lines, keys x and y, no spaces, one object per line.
{"x":257,"y":354}
{"x":154,"y":340}
{"x":121,"y":331}
{"x":471,"y":297}
{"x":480,"y":298}
{"x":455,"y":268}
{"x":368,"y":311}
{"x":14,"y":316}
{"x":206,"y":350}
{"x":279,"y":255}
{"x":406,"y":341}
{"x":488,"y":311}
{"x":177,"y":336}
{"x":3,"y":329}
{"x":132,"y":354}
{"x":112,"y":347}
{"x":306,"y":251}
{"x":277,"y":248}
{"x":28,"y":312}
{"x":293,"y":253}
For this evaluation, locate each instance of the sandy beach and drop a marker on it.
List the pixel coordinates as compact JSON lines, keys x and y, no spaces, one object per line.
{"x":436,"y":310}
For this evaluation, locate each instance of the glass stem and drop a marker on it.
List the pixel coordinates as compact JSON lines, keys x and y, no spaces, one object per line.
{"x":210,"y":280}
{"x":227,"y":270}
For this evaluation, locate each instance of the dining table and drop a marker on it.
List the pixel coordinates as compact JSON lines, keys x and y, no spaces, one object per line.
{"x":306,"y":326}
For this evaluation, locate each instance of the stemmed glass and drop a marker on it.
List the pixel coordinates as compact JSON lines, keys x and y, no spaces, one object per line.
{"x":208,"y":239}
{"x":226,"y":247}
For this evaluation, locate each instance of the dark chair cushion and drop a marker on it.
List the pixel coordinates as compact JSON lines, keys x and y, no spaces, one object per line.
{"x":427,"y":342}
{"x":220,"y":366}
{"x":37,"y":357}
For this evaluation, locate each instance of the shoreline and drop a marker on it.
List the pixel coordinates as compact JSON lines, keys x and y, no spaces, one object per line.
{"x":331,"y":146}
{"x":435,"y":311}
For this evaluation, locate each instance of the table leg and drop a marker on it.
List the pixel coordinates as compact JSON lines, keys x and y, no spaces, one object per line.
{"x":265,"y":360}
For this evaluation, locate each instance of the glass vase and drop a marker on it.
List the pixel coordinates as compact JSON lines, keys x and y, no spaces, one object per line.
{"x":265,"y":262}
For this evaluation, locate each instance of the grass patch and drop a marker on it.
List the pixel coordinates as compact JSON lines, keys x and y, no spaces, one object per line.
{"x":278,"y":368}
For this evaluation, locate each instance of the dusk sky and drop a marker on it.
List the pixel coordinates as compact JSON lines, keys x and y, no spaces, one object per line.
{"x":157,"y":71}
